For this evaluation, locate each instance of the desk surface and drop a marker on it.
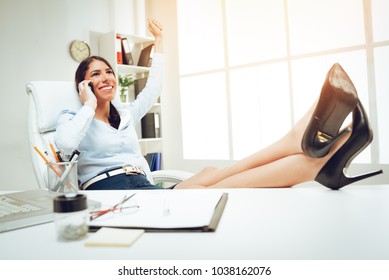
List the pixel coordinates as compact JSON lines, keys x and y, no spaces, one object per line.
{"x":303,"y":222}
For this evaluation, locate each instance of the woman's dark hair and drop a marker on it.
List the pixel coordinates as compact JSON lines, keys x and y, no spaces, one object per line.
{"x":114,"y":117}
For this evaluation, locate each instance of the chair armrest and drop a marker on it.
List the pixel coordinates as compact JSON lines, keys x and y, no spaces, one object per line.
{"x":174,"y":176}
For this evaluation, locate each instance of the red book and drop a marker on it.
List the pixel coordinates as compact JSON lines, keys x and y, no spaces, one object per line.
{"x":119,"y":57}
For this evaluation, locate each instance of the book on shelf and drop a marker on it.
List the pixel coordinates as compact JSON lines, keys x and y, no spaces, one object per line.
{"x":156,"y":164}
{"x":154,"y":160}
{"x":127,"y":52}
{"x":139,"y":85}
{"x":146,"y":56}
{"x":118,"y":47}
{"x":151,"y":126}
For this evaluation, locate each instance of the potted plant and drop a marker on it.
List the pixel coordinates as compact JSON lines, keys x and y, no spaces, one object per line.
{"x":125,"y":81}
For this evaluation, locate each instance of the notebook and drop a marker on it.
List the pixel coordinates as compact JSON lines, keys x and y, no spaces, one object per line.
{"x":183,"y":210}
{"x":28,"y":208}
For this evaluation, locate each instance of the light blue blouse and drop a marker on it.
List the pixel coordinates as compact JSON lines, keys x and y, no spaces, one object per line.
{"x":101,"y":146}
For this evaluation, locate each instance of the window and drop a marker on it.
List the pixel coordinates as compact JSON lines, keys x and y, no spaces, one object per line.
{"x":249,"y":69}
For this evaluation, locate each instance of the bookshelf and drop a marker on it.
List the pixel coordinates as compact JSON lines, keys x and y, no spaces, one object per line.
{"x":108,"y":48}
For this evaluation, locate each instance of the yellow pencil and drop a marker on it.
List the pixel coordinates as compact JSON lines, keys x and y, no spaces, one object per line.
{"x":54,"y":153}
{"x":47,"y":161}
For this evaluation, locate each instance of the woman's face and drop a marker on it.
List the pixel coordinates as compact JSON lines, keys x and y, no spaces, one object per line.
{"x":103,"y":80}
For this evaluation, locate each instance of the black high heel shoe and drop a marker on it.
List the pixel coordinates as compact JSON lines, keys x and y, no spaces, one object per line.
{"x":332,"y":174}
{"x":338,"y":98}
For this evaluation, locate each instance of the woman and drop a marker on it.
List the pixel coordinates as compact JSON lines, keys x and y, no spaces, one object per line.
{"x":314,"y":149}
{"x":104,"y":134}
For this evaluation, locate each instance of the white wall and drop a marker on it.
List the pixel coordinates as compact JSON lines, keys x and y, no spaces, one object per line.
{"x":35,"y":37}
{"x":165,"y":11}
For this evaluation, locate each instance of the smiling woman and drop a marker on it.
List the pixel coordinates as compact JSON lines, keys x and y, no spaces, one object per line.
{"x":105,"y":133}
{"x":96,"y":84}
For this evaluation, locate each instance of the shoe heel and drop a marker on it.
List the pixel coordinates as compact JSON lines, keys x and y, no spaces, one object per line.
{"x":329,"y":182}
{"x":349,"y":180}
{"x":332,"y":174}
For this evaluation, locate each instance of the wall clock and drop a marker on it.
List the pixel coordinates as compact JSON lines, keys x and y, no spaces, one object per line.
{"x":79,"y":50}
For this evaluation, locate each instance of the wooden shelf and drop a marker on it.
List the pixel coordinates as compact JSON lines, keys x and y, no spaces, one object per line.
{"x":150,"y":145}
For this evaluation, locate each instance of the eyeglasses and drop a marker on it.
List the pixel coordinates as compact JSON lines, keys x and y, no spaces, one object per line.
{"x":130,"y":207}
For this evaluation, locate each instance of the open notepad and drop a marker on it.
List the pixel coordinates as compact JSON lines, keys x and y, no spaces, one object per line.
{"x":166,"y":210}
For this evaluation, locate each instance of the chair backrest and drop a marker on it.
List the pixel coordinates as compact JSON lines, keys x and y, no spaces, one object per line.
{"x":47,"y":99}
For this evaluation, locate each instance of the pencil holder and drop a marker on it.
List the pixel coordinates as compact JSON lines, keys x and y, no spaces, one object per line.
{"x":62,"y":177}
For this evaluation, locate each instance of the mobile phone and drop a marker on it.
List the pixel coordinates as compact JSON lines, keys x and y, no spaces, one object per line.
{"x":91,"y":87}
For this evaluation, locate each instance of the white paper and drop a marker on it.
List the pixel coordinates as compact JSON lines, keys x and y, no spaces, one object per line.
{"x":164,"y":209}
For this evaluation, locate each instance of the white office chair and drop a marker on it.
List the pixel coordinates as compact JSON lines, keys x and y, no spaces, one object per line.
{"x":46,"y":101}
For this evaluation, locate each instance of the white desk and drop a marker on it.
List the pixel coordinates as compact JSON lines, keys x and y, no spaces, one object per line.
{"x":303,"y":222}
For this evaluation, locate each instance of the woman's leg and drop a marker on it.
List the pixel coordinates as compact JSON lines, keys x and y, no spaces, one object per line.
{"x":288,"y":145}
{"x":283,"y":172}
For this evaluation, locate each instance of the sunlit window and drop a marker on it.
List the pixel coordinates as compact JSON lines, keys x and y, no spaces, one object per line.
{"x":322,"y":25}
{"x":255,"y":30}
{"x":260,"y":107}
{"x":250,"y":69}
{"x":204,"y":117}
{"x":380,"y":11}
{"x":200,"y":32}
{"x":381,"y":56}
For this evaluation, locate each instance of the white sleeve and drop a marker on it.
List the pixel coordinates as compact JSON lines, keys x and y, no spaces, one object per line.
{"x":72,"y":128}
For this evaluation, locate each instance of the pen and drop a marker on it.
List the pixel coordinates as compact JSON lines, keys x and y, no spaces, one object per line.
{"x":73,"y":159}
{"x":59,"y":155}
{"x":55,"y":156}
{"x":74,"y":155}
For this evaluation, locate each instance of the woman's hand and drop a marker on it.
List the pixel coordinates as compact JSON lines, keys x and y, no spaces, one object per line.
{"x":156,"y":28}
{"x":87,"y":97}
